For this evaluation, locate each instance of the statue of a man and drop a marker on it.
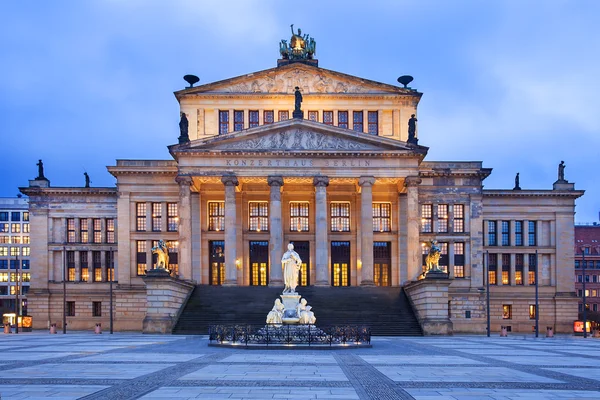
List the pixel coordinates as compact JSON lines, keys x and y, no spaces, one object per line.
{"x":298,"y":99}
{"x":87,"y":179}
{"x":40,"y":166}
{"x":561,"y":171}
{"x":517,"y":187}
{"x":183,"y":129}
{"x":412,"y":128}
{"x":290,"y":262}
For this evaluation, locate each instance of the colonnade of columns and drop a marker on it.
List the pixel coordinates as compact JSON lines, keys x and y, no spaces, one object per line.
{"x":410,"y":248}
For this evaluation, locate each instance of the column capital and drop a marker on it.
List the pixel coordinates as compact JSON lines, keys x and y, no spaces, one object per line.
{"x":411,"y":181}
{"x":184,"y":180}
{"x":230,"y":180}
{"x":275,"y":180}
{"x":321,"y":181}
{"x":367,"y":181}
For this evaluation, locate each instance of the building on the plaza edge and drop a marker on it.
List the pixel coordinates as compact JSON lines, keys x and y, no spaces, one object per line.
{"x":587,"y":250}
{"x":14,"y":249}
{"x":344,"y":179}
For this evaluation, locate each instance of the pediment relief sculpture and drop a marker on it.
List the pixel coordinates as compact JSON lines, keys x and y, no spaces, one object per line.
{"x":296,"y":139}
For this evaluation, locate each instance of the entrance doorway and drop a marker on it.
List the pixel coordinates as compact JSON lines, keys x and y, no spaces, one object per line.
{"x":303,"y":250}
{"x":216,"y":261}
{"x":259,"y":263}
{"x":340,"y":263}
{"x":382,"y":259}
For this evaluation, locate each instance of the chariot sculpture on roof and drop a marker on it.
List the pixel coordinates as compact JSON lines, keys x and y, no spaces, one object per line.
{"x":300,"y":47}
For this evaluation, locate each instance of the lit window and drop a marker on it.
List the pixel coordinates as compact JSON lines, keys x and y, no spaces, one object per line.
{"x":97,"y":227}
{"x":458,"y":224}
{"x":140,"y":217}
{"x":156,"y":217}
{"x":299,"y":216}
{"x":506,"y":311}
{"x":519,"y":269}
{"x":340,"y":217}
{"x":83,"y":260}
{"x":110,"y":230}
{"x":4,"y":251}
{"x":71,"y":266}
{"x":532,"y":311}
{"x":14,"y":251}
{"x":172,"y":217}
{"x":532,"y":268}
{"x":25,"y":228}
{"x":382,"y":217}
{"x":216,"y":216}
{"x":97,"y":266}
{"x":15,"y":228}
{"x":71,"y":230}
{"x":459,"y":260}
{"x":4,"y":227}
{"x":26,"y":252}
{"x":492,"y":268}
{"x":426,"y":218}
{"x":505,"y":269}
{"x":83,"y":230}
{"x":259,"y":216}
{"x":25,"y":215}
{"x":442,"y":221}
{"x":141,"y":257}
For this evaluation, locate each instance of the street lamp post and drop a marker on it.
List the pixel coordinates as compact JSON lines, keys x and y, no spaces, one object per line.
{"x":17,"y":293}
{"x":64,"y":319}
{"x":487,"y":290}
{"x":112,"y":277}
{"x":584,"y":299}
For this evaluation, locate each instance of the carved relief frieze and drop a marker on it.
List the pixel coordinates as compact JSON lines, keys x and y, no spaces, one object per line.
{"x":296,"y":139}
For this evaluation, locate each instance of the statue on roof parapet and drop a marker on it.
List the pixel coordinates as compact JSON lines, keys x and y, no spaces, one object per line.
{"x":87,"y":179}
{"x":300,"y":47}
{"x":183,"y":129}
{"x":412,"y":130}
{"x":41,"y":176}
{"x":517,"y":186}
{"x":561,"y":172}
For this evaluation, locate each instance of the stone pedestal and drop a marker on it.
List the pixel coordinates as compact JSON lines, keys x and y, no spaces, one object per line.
{"x":563,"y":185}
{"x":429,"y":298}
{"x":290,"y":302}
{"x":165,"y":298}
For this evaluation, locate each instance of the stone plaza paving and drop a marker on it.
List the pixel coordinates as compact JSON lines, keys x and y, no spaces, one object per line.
{"x":132,"y":366}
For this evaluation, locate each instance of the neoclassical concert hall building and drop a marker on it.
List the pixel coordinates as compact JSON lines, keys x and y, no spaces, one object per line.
{"x":342,"y":181}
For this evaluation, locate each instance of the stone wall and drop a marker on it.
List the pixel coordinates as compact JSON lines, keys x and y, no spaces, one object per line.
{"x":429,"y":298}
{"x":166,"y":296}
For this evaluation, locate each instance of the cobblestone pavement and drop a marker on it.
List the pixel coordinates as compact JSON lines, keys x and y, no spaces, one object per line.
{"x":132,"y":366}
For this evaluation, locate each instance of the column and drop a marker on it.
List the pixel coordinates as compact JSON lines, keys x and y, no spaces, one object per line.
{"x":366,"y":223}
{"x":525,"y":269}
{"x":185,"y":227}
{"x":90,"y":267}
{"x":275,"y":231}
{"x":230,"y":182}
{"x":123,"y":227}
{"x":513,"y":269}
{"x":77,"y":267}
{"x":321,"y":226}
{"x":450,"y":257}
{"x":525,"y":233}
{"x":77,"y":231}
{"x":103,"y":267}
{"x":413,"y":248}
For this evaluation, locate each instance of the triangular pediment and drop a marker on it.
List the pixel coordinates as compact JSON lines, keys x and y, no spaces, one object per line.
{"x":299,"y":135}
{"x":283,"y":80}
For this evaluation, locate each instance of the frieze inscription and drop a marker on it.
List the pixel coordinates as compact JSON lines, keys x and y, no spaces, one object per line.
{"x":297,"y":163}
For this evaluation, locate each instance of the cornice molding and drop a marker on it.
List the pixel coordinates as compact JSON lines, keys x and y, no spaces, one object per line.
{"x":532,"y":193}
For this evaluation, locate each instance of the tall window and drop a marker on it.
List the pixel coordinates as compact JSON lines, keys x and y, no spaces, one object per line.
{"x":459,"y":260}
{"x":216,"y":216}
{"x":3,"y":251}
{"x":313,"y":116}
{"x":84,"y":230}
{"x":70,"y":308}
{"x":4,"y":216}
{"x":15,"y":251}
{"x":253,"y":116}
{"x":373,"y":127}
{"x":110,"y":230}
{"x":172,"y":217}
{"x":97,"y":226}
{"x":4,"y":227}
{"x":25,"y":215}
{"x":15,"y":216}
{"x":506,"y":311}
{"x":110,"y":266}
{"x":328,"y":117}
{"x":442,"y":221}
{"x":443,"y":262}
{"x":71,"y":266}
{"x":284,"y":115}
{"x":427,"y":218}
{"x":357,"y":121}
{"x":506,"y":269}
{"x":97,"y":266}
{"x":532,"y":268}
{"x":141,"y":257}
{"x":223,"y":122}
{"x":505,"y":233}
{"x":343,"y":119}
{"x":532,"y":311}
{"x":298,"y":217}
{"x":492,"y":268}
{"x":140,"y":217}
{"x":83,"y":260}
{"x":156,"y":217}
{"x":259,"y":216}
{"x":532,"y":233}
{"x":518,"y":233}
{"x":268,"y":117}
{"x":71,"y":230}
{"x":519,"y":258}
{"x":492,"y":233}
{"x":96,"y":308}
{"x":382,"y":217}
{"x":458,"y":224}
{"x":340,"y":217}
{"x":25,"y":228}
{"x":15,"y":228}
{"x":238,"y":120}
{"x":173,"y":246}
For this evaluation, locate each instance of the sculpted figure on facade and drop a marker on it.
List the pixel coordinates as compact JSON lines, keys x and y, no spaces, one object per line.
{"x":433,"y":257}
{"x":290,"y":262}
{"x":276,"y":314}
{"x":162,"y":252}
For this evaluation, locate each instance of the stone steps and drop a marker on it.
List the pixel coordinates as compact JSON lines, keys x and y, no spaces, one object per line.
{"x":386,"y":310}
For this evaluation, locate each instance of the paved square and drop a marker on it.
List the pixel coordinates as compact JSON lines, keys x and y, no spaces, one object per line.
{"x":133,"y":366}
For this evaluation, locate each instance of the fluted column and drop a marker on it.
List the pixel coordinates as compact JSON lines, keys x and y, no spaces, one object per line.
{"x":321,"y":227}
{"x":230,"y":182}
{"x":185,"y":227}
{"x":276,"y":231}
{"x":366,"y":223}
{"x":413,"y":248}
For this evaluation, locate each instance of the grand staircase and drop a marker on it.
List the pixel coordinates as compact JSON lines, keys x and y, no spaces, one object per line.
{"x":385,"y":309}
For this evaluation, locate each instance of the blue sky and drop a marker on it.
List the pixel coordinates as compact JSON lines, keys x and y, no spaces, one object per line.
{"x":511,"y":83}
